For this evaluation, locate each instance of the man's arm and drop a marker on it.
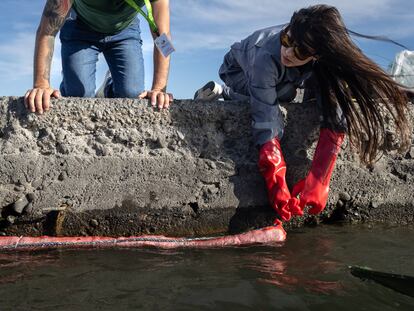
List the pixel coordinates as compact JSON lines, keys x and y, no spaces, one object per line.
{"x":158,"y":94}
{"x":53,"y":17}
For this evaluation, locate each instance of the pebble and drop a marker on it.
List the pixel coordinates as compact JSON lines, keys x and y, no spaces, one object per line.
{"x":19,"y":188}
{"x":374,"y":204}
{"x":20,"y":204}
{"x":90,"y":126}
{"x":212,"y":165}
{"x":180,"y":135}
{"x":344,"y":196}
{"x":36,"y":183}
{"x":94,"y":223}
{"x":60,"y":136}
{"x":102,"y":140}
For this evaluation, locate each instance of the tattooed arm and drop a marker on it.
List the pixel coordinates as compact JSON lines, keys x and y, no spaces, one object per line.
{"x":54,"y":14}
{"x":158,"y":95}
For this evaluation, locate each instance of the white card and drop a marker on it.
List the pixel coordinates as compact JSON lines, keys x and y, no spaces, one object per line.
{"x":164,"y":45}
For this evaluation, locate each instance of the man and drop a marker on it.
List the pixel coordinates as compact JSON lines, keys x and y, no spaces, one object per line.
{"x":90,"y":27}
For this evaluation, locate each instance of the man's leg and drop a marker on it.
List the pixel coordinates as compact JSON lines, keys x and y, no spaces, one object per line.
{"x":79,"y":57}
{"x":123,"y":53}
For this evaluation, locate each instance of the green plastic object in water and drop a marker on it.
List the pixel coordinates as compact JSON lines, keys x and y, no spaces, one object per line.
{"x":403,"y":284}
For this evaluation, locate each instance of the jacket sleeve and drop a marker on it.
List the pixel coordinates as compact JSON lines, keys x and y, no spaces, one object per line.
{"x":267,"y":118}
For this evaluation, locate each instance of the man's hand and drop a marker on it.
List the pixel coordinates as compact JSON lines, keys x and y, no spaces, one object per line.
{"x":54,"y":15}
{"x":38,"y":99}
{"x":158,"y":97}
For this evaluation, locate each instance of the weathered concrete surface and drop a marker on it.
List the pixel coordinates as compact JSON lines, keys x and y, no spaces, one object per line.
{"x":117,"y":167}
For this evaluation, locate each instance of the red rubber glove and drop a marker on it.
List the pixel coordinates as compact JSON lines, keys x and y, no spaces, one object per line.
{"x":272,"y":166}
{"x":313,"y":190}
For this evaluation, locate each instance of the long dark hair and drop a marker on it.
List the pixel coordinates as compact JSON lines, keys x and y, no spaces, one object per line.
{"x":367,"y":95}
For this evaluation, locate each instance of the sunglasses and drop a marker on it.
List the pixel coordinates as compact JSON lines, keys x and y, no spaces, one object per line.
{"x":287,"y":42}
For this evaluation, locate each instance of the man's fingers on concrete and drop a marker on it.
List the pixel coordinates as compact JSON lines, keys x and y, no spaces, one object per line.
{"x":167,"y":101}
{"x":143,"y":95}
{"x":31,"y":100}
{"x":56,"y":94}
{"x":26,"y":99}
{"x":160,"y":99}
{"x":39,"y":101}
{"x":46,"y":101}
{"x":154,"y":99}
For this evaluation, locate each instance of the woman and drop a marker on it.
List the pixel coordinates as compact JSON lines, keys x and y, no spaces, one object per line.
{"x":354,"y":94}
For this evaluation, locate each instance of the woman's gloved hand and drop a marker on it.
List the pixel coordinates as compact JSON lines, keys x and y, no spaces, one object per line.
{"x":313,"y":190}
{"x":272,"y":166}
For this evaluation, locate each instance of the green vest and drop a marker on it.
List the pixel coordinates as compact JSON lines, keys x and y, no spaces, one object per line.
{"x":106,"y":16}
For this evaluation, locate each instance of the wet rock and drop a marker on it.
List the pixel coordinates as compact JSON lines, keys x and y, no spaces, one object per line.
{"x":20,"y":204}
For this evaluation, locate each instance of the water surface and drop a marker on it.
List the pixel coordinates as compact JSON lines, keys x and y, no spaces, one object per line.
{"x":308,"y":272}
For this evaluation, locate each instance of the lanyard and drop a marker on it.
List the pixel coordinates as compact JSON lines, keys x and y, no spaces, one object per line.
{"x":149,"y":17}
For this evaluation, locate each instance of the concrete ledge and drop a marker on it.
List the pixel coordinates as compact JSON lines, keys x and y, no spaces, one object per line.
{"x":117,"y":167}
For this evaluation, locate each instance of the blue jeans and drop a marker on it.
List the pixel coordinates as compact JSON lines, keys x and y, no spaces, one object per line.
{"x":122,"y":51}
